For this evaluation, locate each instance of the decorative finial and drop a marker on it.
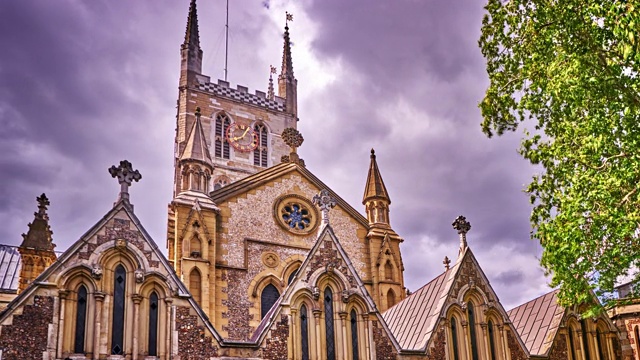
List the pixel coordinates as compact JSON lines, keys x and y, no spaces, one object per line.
{"x":43,"y":202}
{"x":289,"y":17}
{"x":294,"y":139}
{"x":373,"y":153}
{"x":271,"y":95}
{"x":325,"y":202}
{"x":462,"y":226}
{"x":126,"y":175}
{"x":446,"y":262}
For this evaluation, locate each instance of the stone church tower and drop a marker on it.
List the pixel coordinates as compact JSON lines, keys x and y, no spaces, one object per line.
{"x":36,"y":250}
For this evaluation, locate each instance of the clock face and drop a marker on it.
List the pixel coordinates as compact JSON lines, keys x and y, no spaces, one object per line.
{"x":242,"y":137}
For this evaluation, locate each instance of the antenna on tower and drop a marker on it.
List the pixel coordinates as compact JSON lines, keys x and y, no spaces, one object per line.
{"x":226,"y":44}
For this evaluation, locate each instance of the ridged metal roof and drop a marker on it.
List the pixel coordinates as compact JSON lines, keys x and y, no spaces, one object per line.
{"x":537,"y":322}
{"x":9,"y":268}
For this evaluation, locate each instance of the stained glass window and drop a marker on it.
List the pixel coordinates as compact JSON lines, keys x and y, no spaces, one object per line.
{"x":117,"y":324}
{"x":153,"y":324}
{"x":454,"y":338}
{"x":221,"y":143}
{"x":572,"y":344}
{"x":296,"y":216}
{"x":81,"y":316}
{"x":270,"y":295}
{"x":304,"y":332}
{"x":328,"y":324}
{"x":354,"y":335}
{"x":472,"y":331}
{"x":260,"y":154}
{"x":492,"y":349}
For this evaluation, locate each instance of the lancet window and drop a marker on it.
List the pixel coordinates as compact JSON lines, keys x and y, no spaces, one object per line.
{"x":195,"y":284}
{"x":492,"y":343}
{"x":81,"y":320}
{"x":117,"y":323}
{"x":304,"y":332}
{"x":354,"y":335}
{"x":153,"y":324}
{"x":472,"y":331}
{"x":269,"y":296}
{"x":221,"y":149}
{"x":454,"y":338}
{"x":328,"y":324}
{"x":260,"y":154}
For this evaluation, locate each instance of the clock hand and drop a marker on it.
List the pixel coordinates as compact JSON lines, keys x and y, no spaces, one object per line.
{"x":245,"y":132}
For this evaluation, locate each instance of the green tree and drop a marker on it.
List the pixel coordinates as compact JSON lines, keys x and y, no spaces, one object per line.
{"x":568,"y":72}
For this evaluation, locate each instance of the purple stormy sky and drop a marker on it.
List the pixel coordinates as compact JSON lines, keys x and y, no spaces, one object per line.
{"x":85,"y":84}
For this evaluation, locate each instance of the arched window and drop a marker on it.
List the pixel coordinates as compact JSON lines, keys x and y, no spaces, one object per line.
{"x":391,"y":298}
{"x":81,"y":316}
{"x":153,"y":324}
{"x":472,"y":331}
{"x":195,"y":246}
{"x":221,"y":144}
{"x":635,"y":330}
{"x":354,"y":335}
{"x":270,"y":295}
{"x":328,"y":324}
{"x":492,"y":344}
{"x":585,"y":340}
{"x":572,"y":344}
{"x":388,"y":270}
{"x":260,"y":154}
{"x":601,"y":344}
{"x":220,"y":182}
{"x":195,"y":285}
{"x":304,"y":332}
{"x":454,"y":338}
{"x":291,"y":276}
{"x":117,"y":324}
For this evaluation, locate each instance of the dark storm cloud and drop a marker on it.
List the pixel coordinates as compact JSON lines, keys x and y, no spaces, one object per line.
{"x":412,"y":77}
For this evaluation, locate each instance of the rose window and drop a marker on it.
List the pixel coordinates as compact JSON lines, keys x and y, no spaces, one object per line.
{"x":296,"y":214}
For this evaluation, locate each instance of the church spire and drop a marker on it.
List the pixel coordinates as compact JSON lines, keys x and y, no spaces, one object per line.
{"x":287,"y":83}
{"x":195,"y":161}
{"x":376,"y":199}
{"x":190,"y":52}
{"x":192,"y":37}
{"x":36,"y":250}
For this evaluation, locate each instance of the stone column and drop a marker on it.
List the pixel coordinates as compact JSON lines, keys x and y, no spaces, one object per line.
{"x":367,"y":345}
{"x":318,"y":352}
{"x":137,"y":299}
{"x":371,"y":342}
{"x":343,"y":318}
{"x":63,"y":299}
{"x":486,"y":340}
{"x":292,"y":349}
{"x":99,"y":298}
{"x":465,"y":340}
{"x":501,"y":336}
{"x":170,"y":324}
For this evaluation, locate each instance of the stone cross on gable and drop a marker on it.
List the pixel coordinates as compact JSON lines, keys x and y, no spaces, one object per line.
{"x":446,"y":262}
{"x":126,"y":175}
{"x":462,"y":226}
{"x":325,"y":202}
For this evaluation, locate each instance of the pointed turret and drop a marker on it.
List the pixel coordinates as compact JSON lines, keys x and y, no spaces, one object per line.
{"x":376,"y":199}
{"x":287,"y":83}
{"x":195,"y":160}
{"x":36,"y":250}
{"x":191,"y":54}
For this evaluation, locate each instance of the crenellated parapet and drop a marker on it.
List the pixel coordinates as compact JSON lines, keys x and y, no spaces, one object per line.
{"x":241,"y":94}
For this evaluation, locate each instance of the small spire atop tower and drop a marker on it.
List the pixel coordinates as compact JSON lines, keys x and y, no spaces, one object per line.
{"x":192,"y":36}
{"x":196,"y":165}
{"x":270,"y":92}
{"x":36,"y":250}
{"x":287,"y":83}
{"x":376,"y":199}
{"x":462,"y":226}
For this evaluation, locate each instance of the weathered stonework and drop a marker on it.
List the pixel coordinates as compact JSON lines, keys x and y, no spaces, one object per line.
{"x":276,"y":345}
{"x":327,"y":256}
{"x":384,"y":348}
{"x":437,"y":351}
{"x":26,"y":337}
{"x":237,"y":306}
{"x":559,"y":348}
{"x":193,"y":343}
{"x":514,"y":348}
{"x":467,"y":275}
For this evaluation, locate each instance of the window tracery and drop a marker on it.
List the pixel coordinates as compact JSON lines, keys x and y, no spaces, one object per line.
{"x":81,"y":316}
{"x":328,"y":322}
{"x":221,"y":148}
{"x":304,"y":332}
{"x":472,"y":331}
{"x":354,"y":335}
{"x":117,"y":323}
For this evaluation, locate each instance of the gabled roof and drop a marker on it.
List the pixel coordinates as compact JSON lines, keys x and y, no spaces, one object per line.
{"x":537,"y":322}
{"x":375,"y":188}
{"x":414,"y":319}
{"x":121,"y":206}
{"x":277,"y":171}
{"x":326,"y":234}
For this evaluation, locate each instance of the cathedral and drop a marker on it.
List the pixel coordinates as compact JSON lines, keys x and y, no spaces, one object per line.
{"x":264,"y":261}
